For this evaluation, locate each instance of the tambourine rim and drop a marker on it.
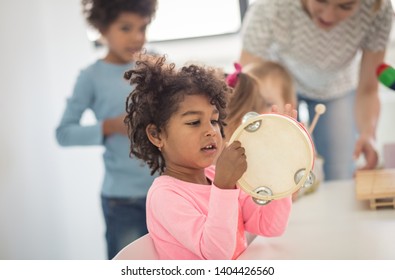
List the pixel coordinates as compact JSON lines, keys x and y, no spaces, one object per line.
{"x":242,"y":182}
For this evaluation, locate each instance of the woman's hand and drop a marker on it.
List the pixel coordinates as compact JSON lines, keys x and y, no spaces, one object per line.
{"x":366,"y":145}
{"x":230,"y":166}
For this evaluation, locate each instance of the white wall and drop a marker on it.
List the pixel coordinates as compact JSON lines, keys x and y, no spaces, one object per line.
{"x":49,"y":207}
{"x":49,"y":196}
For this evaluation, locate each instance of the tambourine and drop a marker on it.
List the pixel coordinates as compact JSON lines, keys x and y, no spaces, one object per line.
{"x":280,"y":156}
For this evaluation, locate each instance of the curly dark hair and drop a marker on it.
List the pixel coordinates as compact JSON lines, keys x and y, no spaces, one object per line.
{"x":160,"y":87}
{"x":101,"y":13}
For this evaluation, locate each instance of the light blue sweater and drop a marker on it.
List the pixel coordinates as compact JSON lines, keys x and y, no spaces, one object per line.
{"x":102,"y":88}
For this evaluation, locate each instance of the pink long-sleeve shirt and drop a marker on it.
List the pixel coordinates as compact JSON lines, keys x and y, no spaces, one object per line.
{"x":192,"y":221}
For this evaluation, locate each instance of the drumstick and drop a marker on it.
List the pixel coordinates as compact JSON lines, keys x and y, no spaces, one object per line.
{"x":319,"y":110}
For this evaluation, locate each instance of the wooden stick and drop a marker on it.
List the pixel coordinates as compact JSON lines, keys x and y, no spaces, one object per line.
{"x":319,"y":110}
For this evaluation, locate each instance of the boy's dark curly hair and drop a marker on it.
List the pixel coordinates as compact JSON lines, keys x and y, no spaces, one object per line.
{"x":160,"y":87}
{"x":101,"y":13}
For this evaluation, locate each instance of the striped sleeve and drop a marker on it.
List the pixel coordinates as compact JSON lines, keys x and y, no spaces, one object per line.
{"x":376,"y":38}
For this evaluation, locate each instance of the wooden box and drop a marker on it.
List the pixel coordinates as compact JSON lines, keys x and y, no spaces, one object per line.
{"x":376,"y":186}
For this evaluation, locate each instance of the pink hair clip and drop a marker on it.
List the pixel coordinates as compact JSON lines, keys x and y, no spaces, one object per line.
{"x":231,"y":79}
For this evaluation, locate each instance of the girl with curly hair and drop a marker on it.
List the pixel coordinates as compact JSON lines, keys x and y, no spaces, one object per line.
{"x":175,"y":121}
{"x":101,"y":88}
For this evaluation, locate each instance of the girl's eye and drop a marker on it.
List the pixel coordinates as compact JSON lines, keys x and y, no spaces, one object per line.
{"x":194,"y":123}
{"x":215,"y":122}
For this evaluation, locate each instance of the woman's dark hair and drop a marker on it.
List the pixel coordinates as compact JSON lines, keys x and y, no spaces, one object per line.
{"x":160,"y":87}
{"x":101,"y":13}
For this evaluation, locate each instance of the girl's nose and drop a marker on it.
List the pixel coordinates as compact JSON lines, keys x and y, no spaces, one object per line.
{"x":211,"y":131}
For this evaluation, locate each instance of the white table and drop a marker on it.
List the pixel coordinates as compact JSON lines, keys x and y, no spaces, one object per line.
{"x":330,"y":224}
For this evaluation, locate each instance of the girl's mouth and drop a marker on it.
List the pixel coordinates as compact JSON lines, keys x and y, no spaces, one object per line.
{"x":209,"y":147}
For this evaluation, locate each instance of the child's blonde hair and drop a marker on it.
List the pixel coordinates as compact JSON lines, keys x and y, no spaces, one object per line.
{"x":271,"y":69}
{"x":244,"y":98}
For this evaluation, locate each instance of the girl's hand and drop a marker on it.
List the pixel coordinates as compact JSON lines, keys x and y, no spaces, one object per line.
{"x":230,"y":166}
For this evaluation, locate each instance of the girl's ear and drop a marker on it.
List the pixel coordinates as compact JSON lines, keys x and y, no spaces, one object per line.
{"x":153,"y":135}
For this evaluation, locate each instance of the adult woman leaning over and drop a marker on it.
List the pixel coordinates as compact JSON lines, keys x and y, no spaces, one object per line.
{"x":332,"y":49}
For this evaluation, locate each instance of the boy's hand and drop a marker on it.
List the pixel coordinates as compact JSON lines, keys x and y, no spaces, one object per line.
{"x":230,"y":166}
{"x":115,"y":125}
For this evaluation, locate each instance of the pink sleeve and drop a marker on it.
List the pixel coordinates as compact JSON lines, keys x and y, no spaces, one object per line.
{"x":267,"y":220}
{"x":210,"y":235}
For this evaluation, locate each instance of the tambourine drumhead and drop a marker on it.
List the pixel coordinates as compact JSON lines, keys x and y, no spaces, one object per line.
{"x":277,"y":147}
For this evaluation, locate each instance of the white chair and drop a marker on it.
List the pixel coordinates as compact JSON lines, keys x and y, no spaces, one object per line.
{"x":140,"y":249}
{"x":144,"y":249}
{"x":249,"y":237}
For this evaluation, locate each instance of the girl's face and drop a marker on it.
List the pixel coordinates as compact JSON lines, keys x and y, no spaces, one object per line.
{"x":192,"y":139}
{"x":326,"y":14}
{"x":125,"y":36}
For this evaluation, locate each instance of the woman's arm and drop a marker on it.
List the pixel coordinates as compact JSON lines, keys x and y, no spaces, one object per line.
{"x":367,"y":108}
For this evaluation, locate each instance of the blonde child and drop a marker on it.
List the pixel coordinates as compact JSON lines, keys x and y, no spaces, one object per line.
{"x":101,"y":88}
{"x":261,"y":87}
{"x":194,"y":209}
